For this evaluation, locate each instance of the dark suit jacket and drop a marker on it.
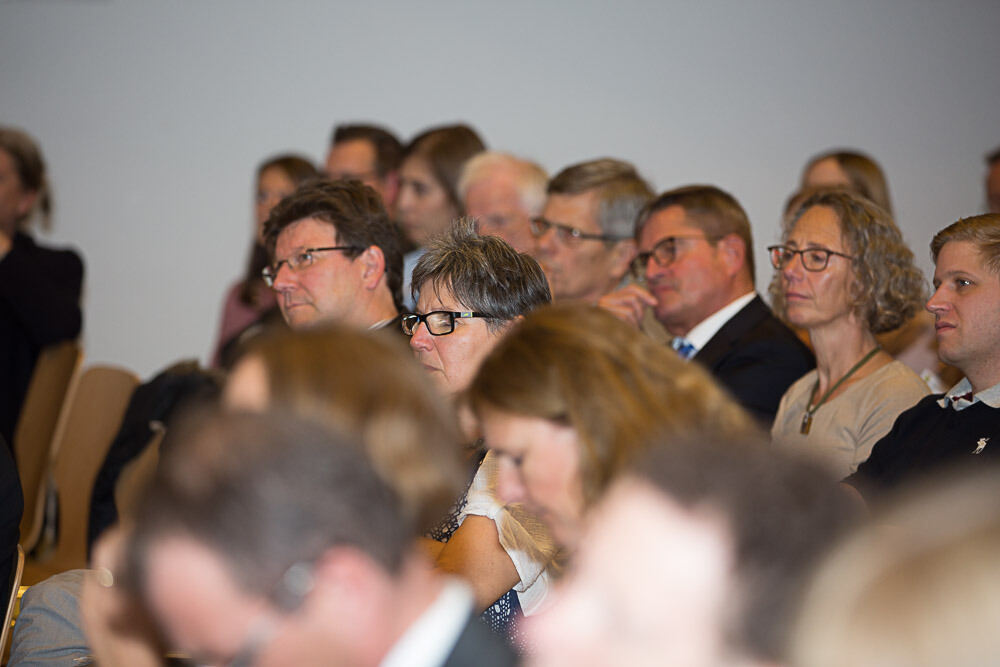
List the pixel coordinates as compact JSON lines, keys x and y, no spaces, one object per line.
{"x":39,"y":306}
{"x":477,"y":646}
{"x":756,"y":358}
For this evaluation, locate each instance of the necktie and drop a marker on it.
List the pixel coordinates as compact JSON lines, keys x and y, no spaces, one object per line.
{"x":684,"y":347}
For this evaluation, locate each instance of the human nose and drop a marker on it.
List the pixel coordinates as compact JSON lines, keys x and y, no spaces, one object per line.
{"x":404,"y":202}
{"x":546,"y":242}
{"x":421,"y":338}
{"x":793,"y":268}
{"x":284,"y":278}
{"x":510,"y":483}
{"x":937,"y":303}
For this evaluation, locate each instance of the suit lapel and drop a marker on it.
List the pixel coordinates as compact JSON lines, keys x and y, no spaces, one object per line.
{"x":732,"y":331}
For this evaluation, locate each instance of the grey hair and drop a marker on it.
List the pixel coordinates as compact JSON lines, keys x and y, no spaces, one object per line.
{"x":484,"y":273}
{"x":621,"y":192}
{"x":530,"y":178}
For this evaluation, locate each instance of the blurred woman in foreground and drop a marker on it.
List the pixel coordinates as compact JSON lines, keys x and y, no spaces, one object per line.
{"x":567,"y":398}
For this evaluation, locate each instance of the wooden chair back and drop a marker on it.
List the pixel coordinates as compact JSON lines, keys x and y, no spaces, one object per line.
{"x":92,"y":420}
{"x":35,"y":433}
{"x":15,"y":583}
{"x":137,"y":475}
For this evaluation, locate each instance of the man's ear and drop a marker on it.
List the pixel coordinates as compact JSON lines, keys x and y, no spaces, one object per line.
{"x":624,"y":252}
{"x":733,"y":252}
{"x":373,"y":261}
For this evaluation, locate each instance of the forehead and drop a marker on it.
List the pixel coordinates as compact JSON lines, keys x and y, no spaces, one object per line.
{"x":416,"y":167}
{"x":437,"y":295}
{"x":6,"y":160}
{"x":669,"y":221}
{"x":495,"y":185}
{"x":960,"y":256}
{"x":817,"y":225}
{"x":827,"y":172}
{"x":577,"y":210}
{"x":194,"y":597}
{"x":680,"y":556}
{"x":305,"y":233}
{"x":354,"y":155}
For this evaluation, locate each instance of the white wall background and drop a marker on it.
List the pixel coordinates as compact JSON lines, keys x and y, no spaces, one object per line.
{"x":153,"y":114}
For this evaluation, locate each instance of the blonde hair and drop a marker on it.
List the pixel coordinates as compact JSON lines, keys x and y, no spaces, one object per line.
{"x":365,"y":384}
{"x":920,"y":586}
{"x":583,"y":367}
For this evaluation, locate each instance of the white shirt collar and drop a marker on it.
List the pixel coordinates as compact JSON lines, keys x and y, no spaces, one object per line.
{"x":958,"y":396}
{"x":704,"y":330}
{"x":430,"y":639}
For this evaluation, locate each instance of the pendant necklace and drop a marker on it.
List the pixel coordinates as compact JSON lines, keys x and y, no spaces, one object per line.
{"x":807,"y":418}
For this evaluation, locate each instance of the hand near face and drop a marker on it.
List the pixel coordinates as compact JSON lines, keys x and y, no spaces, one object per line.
{"x":628,"y":303}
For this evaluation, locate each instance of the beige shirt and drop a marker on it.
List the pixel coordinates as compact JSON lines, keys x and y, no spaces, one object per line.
{"x":845,"y":428}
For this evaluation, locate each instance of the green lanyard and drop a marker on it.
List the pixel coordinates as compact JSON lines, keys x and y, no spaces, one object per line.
{"x":807,"y":418}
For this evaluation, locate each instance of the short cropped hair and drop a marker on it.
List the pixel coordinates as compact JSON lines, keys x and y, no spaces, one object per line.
{"x":530,"y":178}
{"x":484,"y":273}
{"x":621,"y":192}
{"x":266,"y":492}
{"x":981,"y":230}
{"x":888,"y":287}
{"x":30,"y":167}
{"x":582,"y":367}
{"x":781,"y":513}
{"x":865,"y":175}
{"x":388,"y":148}
{"x":446,"y":149}
{"x":356,"y":212}
{"x":711,"y":209}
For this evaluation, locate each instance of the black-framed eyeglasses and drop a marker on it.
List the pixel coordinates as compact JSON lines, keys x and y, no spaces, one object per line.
{"x":664,"y":252}
{"x":567,"y":234}
{"x":813,"y":259}
{"x":438,"y":322}
{"x":302,"y":259}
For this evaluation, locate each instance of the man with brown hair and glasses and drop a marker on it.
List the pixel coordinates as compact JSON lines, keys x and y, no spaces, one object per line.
{"x":335,"y":256}
{"x":696,"y":254}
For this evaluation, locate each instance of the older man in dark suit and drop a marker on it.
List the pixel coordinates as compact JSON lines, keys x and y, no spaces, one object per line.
{"x":696,"y":251}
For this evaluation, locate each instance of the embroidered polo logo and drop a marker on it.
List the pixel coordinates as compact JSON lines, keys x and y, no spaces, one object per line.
{"x":980,"y":445}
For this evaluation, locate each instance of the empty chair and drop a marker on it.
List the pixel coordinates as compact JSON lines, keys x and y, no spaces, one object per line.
{"x":92,"y":419}
{"x":33,"y":439}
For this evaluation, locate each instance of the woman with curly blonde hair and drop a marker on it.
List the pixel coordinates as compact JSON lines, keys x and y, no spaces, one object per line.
{"x":844,"y":274}
{"x":571,"y":395}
